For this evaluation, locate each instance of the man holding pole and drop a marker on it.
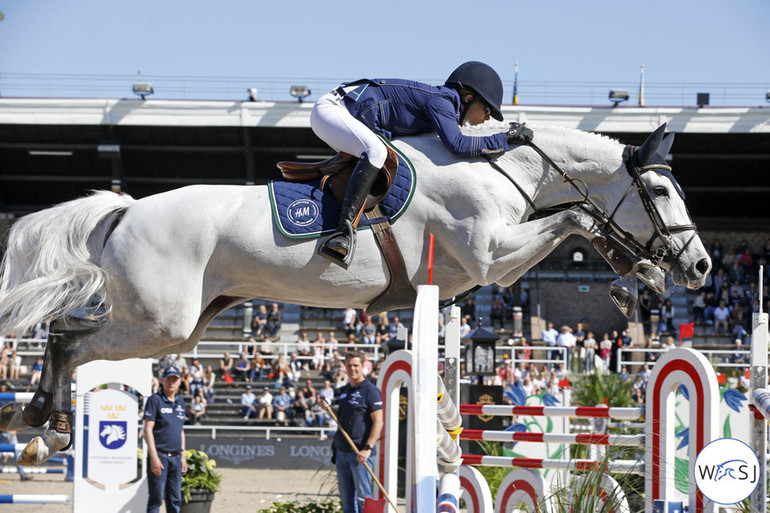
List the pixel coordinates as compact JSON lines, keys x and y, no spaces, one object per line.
{"x":360,"y":424}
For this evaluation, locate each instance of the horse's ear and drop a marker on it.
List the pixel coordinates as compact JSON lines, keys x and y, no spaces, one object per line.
{"x":665,"y":145}
{"x":646,"y":151}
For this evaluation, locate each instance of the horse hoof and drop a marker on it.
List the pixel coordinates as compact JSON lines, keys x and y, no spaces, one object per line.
{"x":43,"y":447}
{"x":12,"y":418}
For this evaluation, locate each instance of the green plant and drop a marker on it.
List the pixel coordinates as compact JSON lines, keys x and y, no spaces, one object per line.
{"x":330,"y":506}
{"x":200,"y":474}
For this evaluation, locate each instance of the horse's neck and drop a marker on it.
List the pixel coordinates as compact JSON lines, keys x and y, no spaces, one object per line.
{"x":590,"y":162}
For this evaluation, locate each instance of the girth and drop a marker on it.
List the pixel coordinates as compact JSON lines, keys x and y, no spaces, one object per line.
{"x":334,"y":174}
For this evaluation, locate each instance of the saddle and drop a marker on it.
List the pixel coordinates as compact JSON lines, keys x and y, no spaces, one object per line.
{"x":334,"y":174}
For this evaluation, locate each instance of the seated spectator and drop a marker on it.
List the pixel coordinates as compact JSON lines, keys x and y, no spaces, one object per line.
{"x":184,"y":382}
{"x":197,"y":407}
{"x":164,"y":362}
{"x":651,"y":355}
{"x":669,"y":345}
{"x":327,"y":392}
{"x":623,"y":375}
{"x":196,"y":376}
{"x":369,"y":332}
{"x":265,"y":404}
{"x":208,"y":383}
{"x":37,"y":370}
{"x":226,"y":365}
{"x":281,"y":372}
{"x":273,"y":323}
{"x":722,"y":318}
{"x":248,"y":404}
{"x":259,"y":323}
{"x":258,"y":367}
{"x":319,"y":349}
{"x":316,"y":415}
{"x":295,"y":368}
{"x":300,"y":406}
{"x":242,"y":368}
{"x":332,"y":345}
{"x":303,"y":344}
{"x":15,"y":362}
{"x":383,"y":328}
{"x":282,"y":406}
{"x":394,"y":327}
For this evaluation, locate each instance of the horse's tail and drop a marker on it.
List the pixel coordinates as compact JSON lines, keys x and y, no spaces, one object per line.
{"x":52,"y":262}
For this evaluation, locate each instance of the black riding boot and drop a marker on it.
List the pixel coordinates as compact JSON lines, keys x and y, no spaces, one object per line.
{"x":341,"y":245}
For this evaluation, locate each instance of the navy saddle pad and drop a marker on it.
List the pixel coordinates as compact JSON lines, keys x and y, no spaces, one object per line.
{"x":303,"y":210}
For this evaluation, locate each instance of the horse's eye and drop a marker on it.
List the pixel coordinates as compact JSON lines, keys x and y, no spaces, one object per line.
{"x":660,"y":191}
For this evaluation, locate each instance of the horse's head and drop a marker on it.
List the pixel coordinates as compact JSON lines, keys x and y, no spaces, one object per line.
{"x":660,"y":229}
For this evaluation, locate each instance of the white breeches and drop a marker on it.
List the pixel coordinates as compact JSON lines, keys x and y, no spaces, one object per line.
{"x":332,"y":122}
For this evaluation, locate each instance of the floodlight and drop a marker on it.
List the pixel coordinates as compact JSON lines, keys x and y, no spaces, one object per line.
{"x":617,"y":96}
{"x":252,"y":94}
{"x":300,"y":92}
{"x":142,"y":89}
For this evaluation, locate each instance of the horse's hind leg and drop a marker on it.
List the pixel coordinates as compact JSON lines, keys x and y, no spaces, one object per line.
{"x":53,"y":400}
{"x":38,"y":410}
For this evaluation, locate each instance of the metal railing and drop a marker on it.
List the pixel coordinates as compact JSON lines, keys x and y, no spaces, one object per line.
{"x":234,"y":88}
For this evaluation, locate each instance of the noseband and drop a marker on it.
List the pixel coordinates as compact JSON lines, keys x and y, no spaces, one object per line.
{"x":607,"y":221}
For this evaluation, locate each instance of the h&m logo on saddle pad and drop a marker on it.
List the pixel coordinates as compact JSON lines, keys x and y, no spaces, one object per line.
{"x":302,"y":210}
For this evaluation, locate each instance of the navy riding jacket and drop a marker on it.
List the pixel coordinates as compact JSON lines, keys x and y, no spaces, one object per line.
{"x":397,"y":107}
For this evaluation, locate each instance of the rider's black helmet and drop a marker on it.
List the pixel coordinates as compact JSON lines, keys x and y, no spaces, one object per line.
{"x":482,"y":79}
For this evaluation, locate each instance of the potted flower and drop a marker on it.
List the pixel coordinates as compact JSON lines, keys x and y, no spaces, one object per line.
{"x":199,"y":483}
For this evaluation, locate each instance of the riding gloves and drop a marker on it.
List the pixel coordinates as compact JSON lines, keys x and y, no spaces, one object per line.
{"x":517,"y":133}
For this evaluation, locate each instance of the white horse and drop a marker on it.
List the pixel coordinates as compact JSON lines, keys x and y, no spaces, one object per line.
{"x":120,"y":278}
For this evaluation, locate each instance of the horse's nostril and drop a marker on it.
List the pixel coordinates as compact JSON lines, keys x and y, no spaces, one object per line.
{"x":703,"y":265}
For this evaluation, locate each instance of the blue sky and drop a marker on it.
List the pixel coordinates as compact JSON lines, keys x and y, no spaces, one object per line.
{"x":321,"y":43}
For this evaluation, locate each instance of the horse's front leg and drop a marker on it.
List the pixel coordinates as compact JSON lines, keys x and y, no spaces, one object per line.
{"x":52,"y":401}
{"x":516,"y":249}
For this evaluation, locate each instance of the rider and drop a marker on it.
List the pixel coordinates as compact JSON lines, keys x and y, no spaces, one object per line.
{"x":348,"y":117}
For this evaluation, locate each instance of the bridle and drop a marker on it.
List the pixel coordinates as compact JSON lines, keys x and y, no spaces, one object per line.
{"x":607,"y":220}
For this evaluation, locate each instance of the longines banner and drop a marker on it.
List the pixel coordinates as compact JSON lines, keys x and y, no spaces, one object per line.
{"x":276,"y":453}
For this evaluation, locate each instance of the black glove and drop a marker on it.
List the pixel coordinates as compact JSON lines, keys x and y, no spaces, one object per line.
{"x":517,"y":133}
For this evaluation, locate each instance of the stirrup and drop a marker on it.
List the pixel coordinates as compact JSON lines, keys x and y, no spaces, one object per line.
{"x":335,"y":257}
{"x":624,"y":293}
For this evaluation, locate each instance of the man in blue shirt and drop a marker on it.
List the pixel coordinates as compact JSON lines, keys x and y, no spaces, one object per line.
{"x":349,"y":117}
{"x":360,"y":415}
{"x":164,"y":416}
